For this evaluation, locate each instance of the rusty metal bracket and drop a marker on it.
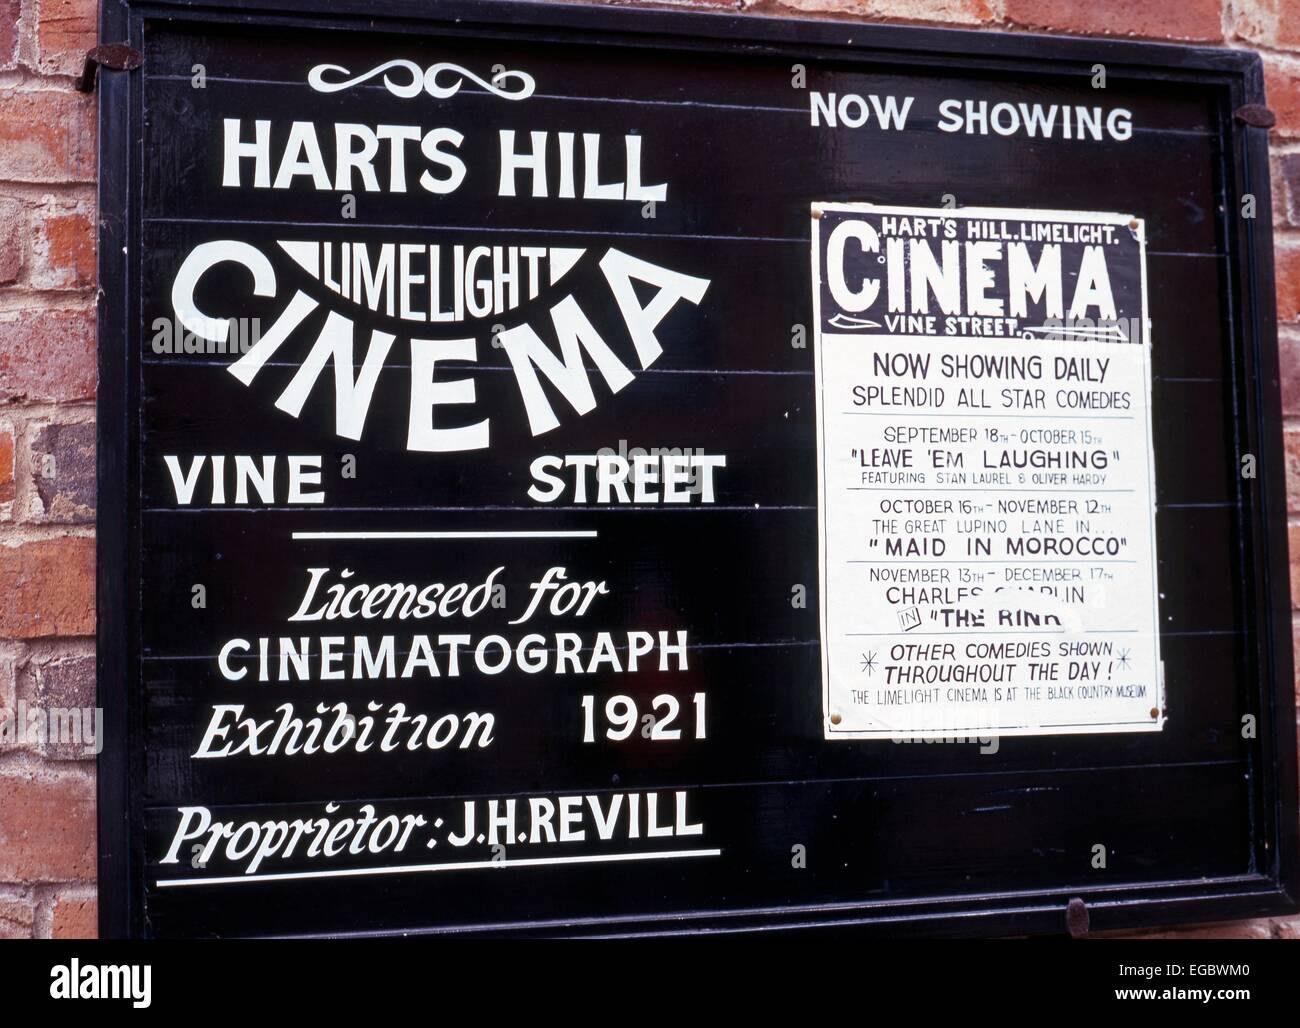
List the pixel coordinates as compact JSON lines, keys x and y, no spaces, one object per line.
{"x":1077,"y":920}
{"x":1256,"y":116}
{"x":114,"y":56}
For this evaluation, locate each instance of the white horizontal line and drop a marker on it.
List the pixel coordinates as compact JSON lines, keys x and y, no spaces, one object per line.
{"x":578,"y":534}
{"x":457,"y":865}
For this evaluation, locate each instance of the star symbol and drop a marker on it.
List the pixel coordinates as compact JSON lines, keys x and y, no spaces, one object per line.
{"x":1123,"y":658}
{"x":868,"y":662}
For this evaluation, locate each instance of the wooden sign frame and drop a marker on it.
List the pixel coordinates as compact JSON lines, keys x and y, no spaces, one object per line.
{"x":1267,"y":881}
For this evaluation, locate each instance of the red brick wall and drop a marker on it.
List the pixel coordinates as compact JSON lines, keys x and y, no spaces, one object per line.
{"x":47,"y":378}
{"x":47,"y":460}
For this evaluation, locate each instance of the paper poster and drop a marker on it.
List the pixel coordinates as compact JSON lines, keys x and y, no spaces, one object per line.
{"x":986,"y":475}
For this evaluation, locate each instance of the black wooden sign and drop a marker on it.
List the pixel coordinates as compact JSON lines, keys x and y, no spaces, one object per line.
{"x":570,"y":470}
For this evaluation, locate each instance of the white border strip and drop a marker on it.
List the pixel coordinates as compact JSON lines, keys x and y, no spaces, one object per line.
{"x":458,"y":865}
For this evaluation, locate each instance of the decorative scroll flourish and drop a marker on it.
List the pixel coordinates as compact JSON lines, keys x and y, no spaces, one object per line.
{"x":424,"y":80}
{"x":850,"y":323}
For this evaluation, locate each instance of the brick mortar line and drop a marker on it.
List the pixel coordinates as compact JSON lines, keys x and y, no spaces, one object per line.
{"x":16,"y":762}
{"x":23,"y":412}
{"x":34,"y":532}
{"x":25,"y":80}
{"x":17,"y":189}
{"x":19,"y":760}
{"x":17,"y":293}
{"x":43,"y":912}
{"x":37,"y":183}
{"x":46,"y":897}
{"x":43,"y":649}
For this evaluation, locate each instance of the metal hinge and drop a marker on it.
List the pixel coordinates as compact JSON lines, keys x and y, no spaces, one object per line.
{"x":1256,"y":116}
{"x":114,"y":56}
{"x":1077,"y":921}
